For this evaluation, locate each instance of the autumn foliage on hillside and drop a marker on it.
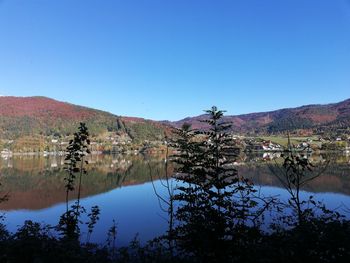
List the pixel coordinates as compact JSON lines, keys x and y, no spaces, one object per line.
{"x":305,"y":117}
{"x":23,"y":116}
{"x":42,"y":107}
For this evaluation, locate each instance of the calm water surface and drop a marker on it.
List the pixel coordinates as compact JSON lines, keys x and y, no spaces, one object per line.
{"x":121,"y":186}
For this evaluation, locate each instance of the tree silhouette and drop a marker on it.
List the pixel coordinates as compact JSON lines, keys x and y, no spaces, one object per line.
{"x":207,"y":211}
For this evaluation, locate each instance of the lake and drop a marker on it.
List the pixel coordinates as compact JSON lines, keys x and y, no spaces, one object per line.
{"x":121,"y":186}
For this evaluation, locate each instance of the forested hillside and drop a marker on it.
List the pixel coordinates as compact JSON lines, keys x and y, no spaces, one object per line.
{"x":317,"y":117}
{"x":30,"y":116}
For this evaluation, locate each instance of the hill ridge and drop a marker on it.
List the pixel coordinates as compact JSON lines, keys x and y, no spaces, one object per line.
{"x":20,"y":116}
{"x":312,"y":116}
{"x":42,"y":115}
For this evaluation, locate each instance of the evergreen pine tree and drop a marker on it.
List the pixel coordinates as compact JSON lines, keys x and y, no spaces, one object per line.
{"x":208,"y":183}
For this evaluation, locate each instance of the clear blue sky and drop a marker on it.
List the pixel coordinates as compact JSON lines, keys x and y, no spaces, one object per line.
{"x":168,"y":59}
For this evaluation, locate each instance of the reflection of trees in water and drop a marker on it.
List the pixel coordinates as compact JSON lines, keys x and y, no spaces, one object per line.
{"x":262,"y":157}
{"x":38,"y":185}
{"x":35,"y":182}
{"x":336,"y":177}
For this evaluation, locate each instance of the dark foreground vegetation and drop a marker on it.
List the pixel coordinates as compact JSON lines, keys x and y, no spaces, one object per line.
{"x":214,"y":213}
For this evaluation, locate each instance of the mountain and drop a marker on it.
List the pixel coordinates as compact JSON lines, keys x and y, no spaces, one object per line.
{"x":320,"y":117}
{"x":21,"y":116}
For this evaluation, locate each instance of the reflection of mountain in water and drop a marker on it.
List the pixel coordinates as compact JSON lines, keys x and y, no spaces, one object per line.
{"x":335,"y":177}
{"x":36,"y":182}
